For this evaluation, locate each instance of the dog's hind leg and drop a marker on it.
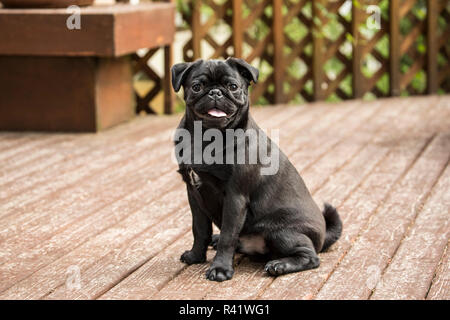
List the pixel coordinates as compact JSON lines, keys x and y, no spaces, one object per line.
{"x":294,"y":251}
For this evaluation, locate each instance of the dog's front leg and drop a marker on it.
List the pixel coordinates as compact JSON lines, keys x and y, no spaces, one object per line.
{"x":202,"y":230}
{"x":233,"y":218}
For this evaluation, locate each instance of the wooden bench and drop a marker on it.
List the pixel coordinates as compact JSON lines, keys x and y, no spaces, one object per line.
{"x":54,"y":78}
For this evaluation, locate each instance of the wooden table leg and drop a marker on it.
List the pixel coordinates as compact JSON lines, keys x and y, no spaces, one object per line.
{"x":167,"y":85}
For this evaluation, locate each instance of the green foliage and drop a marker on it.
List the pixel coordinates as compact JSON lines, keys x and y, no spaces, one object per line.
{"x":183,"y":7}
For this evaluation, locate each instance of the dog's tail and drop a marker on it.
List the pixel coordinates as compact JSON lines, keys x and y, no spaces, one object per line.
{"x":333,"y":225}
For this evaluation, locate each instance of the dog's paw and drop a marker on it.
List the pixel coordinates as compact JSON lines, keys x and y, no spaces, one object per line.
{"x":191,"y":257}
{"x":219,"y":273}
{"x":276,"y":267}
{"x":214,"y":241}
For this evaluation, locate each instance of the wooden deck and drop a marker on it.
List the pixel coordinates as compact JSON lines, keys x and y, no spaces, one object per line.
{"x":105,"y":216}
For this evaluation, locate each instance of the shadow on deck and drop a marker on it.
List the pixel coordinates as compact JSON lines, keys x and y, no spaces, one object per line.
{"x":106,"y":216}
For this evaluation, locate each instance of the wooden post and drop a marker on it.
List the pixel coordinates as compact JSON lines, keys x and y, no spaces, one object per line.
{"x":278,"y":47}
{"x":432,"y":46}
{"x":167,"y":84}
{"x":357,"y":79}
{"x":238,"y":32}
{"x":318,"y":50}
{"x":394,"y":47}
{"x":196,"y":29}
{"x":169,"y":96}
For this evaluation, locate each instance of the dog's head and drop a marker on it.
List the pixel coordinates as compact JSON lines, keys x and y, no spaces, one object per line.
{"x":215,"y":91}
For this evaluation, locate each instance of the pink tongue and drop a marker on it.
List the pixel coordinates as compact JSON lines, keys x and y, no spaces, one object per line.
{"x":217,"y":113}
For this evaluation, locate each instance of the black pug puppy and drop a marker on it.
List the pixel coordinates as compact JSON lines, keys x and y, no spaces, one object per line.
{"x":271,"y":215}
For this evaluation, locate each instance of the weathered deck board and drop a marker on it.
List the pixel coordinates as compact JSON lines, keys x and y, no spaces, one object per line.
{"x":61,"y":243}
{"x":112,"y":207}
{"x":195,"y":284}
{"x":146,"y":251}
{"x":120,"y":133}
{"x":140,"y":249}
{"x":364,"y":161}
{"x":89,"y":159}
{"x":410,"y":272}
{"x":112,"y":187}
{"x":361,"y":203}
{"x":379,"y":241}
{"x":247,"y":274}
{"x":440,"y":287}
{"x":153,"y":275}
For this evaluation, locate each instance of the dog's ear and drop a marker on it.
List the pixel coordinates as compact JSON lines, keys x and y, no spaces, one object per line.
{"x":179,"y":73}
{"x":247,"y":71}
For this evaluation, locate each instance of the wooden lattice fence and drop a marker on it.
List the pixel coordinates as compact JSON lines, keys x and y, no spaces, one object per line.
{"x":309,"y":50}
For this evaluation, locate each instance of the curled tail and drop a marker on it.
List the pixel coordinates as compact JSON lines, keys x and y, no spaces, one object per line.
{"x":333,"y":225}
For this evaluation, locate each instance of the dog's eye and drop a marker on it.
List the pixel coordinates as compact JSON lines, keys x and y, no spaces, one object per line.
{"x":196,"y":87}
{"x":232,"y":87}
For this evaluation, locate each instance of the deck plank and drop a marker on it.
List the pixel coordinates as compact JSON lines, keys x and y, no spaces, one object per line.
{"x":35,"y":161}
{"x":127,"y":129}
{"x":127,"y":211}
{"x":440,"y":287}
{"x":125,"y":258}
{"x":29,"y":229}
{"x":353,"y":155}
{"x":107,"y":272}
{"x":12,"y":139}
{"x":379,"y":240}
{"x":60,"y":244}
{"x":163,"y":145}
{"x":410,"y":272}
{"x":296,"y":123}
{"x":362,"y":202}
{"x":79,"y":162}
{"x":256,"y":278}
{"x":153,"y":275}
{"x":363,"y":160}
{"x":27,"y":143}
{"x":107,"y":143}
{"x":117,"y":273}
{"x":112,"y":207}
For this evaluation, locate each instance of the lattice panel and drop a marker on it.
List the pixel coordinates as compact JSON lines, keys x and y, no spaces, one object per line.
{"x":371,"y":48}
{"x":324,"y":50}
{"x":149,"y":86}
{"x":257,"y":46}
{"x":299,"y":50}
{"x":443,"y":46}
{"x":333,"y":50}
{"x":309,"y":50}
{"x":210,"y":22}
{"x":413,"y":46}
{"x":215,"y":26}
{"x":142,"y":69}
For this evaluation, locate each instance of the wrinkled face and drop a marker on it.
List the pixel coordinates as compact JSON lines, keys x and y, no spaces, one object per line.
{"x":216,"y":92}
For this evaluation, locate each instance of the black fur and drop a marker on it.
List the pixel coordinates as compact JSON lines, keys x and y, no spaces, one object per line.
{"x":236,"y":197}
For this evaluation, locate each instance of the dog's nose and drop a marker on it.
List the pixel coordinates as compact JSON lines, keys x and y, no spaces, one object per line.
{"x":215,"y":93}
